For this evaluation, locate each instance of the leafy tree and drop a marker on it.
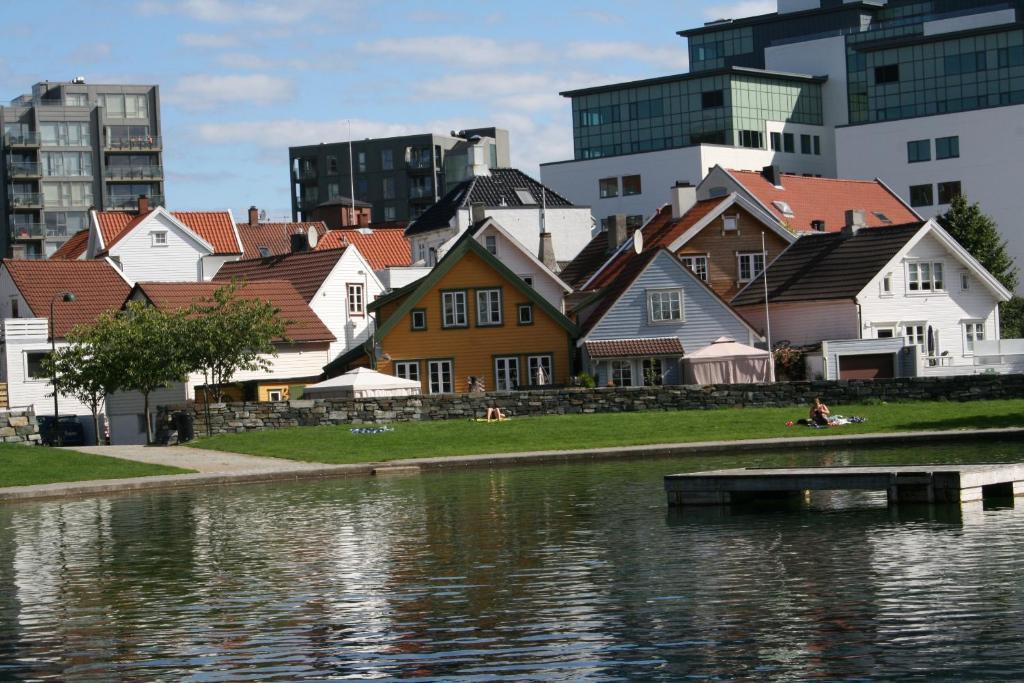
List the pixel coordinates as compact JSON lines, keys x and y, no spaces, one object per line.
{"x":80,"y":372}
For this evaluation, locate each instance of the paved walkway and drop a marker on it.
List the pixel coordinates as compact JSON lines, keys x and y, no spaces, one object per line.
{"x":216,"y":467}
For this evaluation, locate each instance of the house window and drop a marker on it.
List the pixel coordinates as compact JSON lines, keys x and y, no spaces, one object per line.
{"x":440,"y":376}
{"x":453,"y":309}
{"x":608,"y":187}
{"x":408,"y":370}
{"x":788,"y":143}
{"x":34,"y":364}
{"x":540,"y":369}
{"x":750,"y":266}
{"x":654,"y":375}
{"x":622,"y":373}
{"x":973,"y":332}
{"x":885,"y":333}
{"x":355,"y":299}
{"x":491,"y":243}
{"x":528,"y":279}
{"x":631,"y":185}
{"x":524,"y":314}
{"x":634,"y":222}
{"x":712,"y":99}
{"x":730,"y":223}
{"x":390,"y":213}
{"x":776,"y":140}
{"x":887,"y":284}
{"x":921,"y":195}
{"x":817,"y":145}
{"x":753,"y":139}
{"x":965,"y":281}
{"x":488,"y":307}
{"x":332,"y":165}
{"x":947,"y":148}
{"x":419,"y":319}
{"x":506,"y":373}
{"x":805,"y":144}
{"x":915,"y":334}
{"x":887,"y":74}
{"x":387,"y":160}
{"x":924,"y":276}
{"x":361,"y":163}
{"x":158,"y":238}
{"x":387,"y":187}
{"x":14,"y":307}
{"x":698,"y":264}
{"x":665,"y":305}
{"x":918,"y":151}
{"x":274,"y":395}
{"x":947,"y":191}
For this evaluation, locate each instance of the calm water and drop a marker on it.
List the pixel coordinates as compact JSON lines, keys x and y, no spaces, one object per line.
{"x":546,"y":573}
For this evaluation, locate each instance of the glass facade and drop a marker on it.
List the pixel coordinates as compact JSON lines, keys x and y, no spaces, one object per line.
{"x":709,"y":51}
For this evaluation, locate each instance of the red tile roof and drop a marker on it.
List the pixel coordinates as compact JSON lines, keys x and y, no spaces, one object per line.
{"x":827,"y":199}
{"x":74,"y":247}
{"x":274,"y":237}
{"x":303,"y":325}
{"x":381,"y":247}
{"x":305,"y":270}
{"x":628,"y":348}
{"x":216,"y":227}
{"x":97,"y":287}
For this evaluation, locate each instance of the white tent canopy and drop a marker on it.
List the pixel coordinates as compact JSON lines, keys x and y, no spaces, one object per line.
{"x":362,"y":383}
{"x":725,"y":361}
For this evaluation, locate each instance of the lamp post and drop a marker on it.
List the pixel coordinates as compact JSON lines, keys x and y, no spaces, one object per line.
{"x":58,"y":437}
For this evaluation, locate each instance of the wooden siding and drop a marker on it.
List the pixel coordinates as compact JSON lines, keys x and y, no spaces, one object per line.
{"x":473,"y":349}
{"x":804,"y":324}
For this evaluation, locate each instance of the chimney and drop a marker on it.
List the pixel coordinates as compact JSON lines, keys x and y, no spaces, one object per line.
{"x":616,"y":231}
{"x":818,"y":225}
{"x":477,"y":212}
{"x":299,"y":242}
{"x":854,"y":222}
{"x":773,"y":174}
{"x":143,"y":204}
{"x":547,"y":252}
{"x":254,"y":216}
{"x":684,"y":196}
{"x":476,"y":158}
{"x":364,"y":219}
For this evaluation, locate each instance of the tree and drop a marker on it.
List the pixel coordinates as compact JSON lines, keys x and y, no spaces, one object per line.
{"x":81,"y":373}
{"x":978,"y":234}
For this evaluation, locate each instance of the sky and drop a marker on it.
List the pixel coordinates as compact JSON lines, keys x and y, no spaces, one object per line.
{"x":241,"y":81}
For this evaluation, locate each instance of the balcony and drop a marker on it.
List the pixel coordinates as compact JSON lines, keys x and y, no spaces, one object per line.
{"x":28,"y":231}
{"x":134,"y":143}
{"x":421,"y":193}
{"x":130,"y":202}
{"x":25,"y":200}
{"x":133,"y":172}
{"x":29,"y":139}
{"x":419,"y":166}
{"x":24,"y":169}
{"x":306,"y":175}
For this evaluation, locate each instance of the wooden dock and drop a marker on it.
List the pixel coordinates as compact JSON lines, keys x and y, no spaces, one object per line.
{"x":906,"y":484}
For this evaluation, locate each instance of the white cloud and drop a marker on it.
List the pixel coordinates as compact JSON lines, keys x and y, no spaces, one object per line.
{"x":206,"y":91}
{"x":743,"y":8}
{"x":460,"y":50}
{"x":671,"y":58}
{"x":211,"y":40}
{"x":599,"y":17}
{"x":282,"y":133}
{"x":234,"y":11}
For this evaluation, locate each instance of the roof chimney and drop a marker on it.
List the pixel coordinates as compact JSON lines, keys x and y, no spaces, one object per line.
{"x":547,"y":252}
{"x":364,"y":219}
{"x":684,"y":196}
{"x":254,"y":216}
{"x":854,"y":222}
{"x":143,"y":204}
{"x":299,"y":242}
{"x":616,"y":231}
{"x":773,"y":174}
{"x":477,"y":212}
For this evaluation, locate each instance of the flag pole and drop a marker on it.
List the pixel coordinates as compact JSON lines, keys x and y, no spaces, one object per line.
{"x":767,"y":316}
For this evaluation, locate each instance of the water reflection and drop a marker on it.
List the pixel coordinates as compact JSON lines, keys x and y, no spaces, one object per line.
{"x":558,"y":572}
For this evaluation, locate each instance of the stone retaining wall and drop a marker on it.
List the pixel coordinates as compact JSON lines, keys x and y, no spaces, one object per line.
{"x":242,"y":417}
{"x":19,"y":426}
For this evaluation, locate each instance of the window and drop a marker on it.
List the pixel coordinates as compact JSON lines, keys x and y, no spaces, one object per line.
{"x":333,"y":190}
{"x":885,"y":333}
{"x":973,"y":332}
{"x":654,"y":375}
{"x":361,"y":162}
{"x":525,"y":196}
{"x":274,"y":395}
{"x":750,"y":266}
{"x":634,"y":222}
{"x":665,"y":305}
{"x":63,"y":133}
{"x":528,"y":279}
{"x":915,"y":334}
{"x":453,"y":309}
{"x":949,"y":190}
{"x":362,"y":188}
{"x":622,"y":373}
{"x":419,"y":319}
{"x":965,"y":63}
{"x":540,"y":369}
{"x":887,"y":74}
{"x":712,"y":99}
{"x":631,"y":185}
{"x":488,"y":307}
{"x":491,"y":243}
{"x":698,"y":264}
{"x":524,"y":314}
{"x":67,"y":164}
{"x":918,"y":151}
{"x":730,"y":223}
{"x":924,"y":276}
{"x":440,"y":376}
{"x":390,"y":213}
{"x":34,"y":364}
{"x":887,"y":284}
{"x":921,"y":195}
{"x":355,"y":299}
{"x":506,"y":373}
{"x":387,"y":160}
{"x":332,"y":164}
{"x":159,"y":238}
{"x":608,"y":187}
{"x":387,"y":187}
{"x":753,"y":139}
{"x":14,"y":307}
{"x":1013,"y":56}
{"x":817,"y":145}
{"x":882,"y":218}
{"x":965,"y":281}
{"x":776,"y":140}
{"x":947,"y":148}
{"x":805,"y":144}
{"x":788,"y":143}
{"x":57,"y":194}
{"x":408,"y":370}
{"x":76,"y":99}
{"x":264,"y":252}
{"x":783,"y":207}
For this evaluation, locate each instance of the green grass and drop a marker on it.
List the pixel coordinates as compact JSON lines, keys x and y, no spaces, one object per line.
{"x":336,"y":444}
{"x":26,"y":465}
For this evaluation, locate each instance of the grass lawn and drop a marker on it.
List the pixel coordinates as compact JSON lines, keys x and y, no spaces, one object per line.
{"x":25,"y":465}
{"x":336,"y":444}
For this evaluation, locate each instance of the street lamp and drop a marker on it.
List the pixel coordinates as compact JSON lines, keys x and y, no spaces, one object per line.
{"x":58,"y":437}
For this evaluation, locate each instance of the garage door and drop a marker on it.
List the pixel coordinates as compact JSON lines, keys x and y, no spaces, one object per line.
{"x":870,"y":366}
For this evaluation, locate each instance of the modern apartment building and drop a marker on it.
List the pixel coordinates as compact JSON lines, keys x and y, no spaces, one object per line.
{"x":400,"y":177}
{"x":926,"y":95}
{"x":71,"y":146}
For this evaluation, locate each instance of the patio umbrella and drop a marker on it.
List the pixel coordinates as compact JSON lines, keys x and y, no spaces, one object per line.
{"x":932,"y":341}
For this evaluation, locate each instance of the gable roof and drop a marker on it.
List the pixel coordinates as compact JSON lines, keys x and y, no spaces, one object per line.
{"x":495,"y":190}
{"x":590,"y":258}
{"x":275,"y":237}
{"x":97,"y":287}
{"x":301,"y":323}
{"x":827,"y":199}
{"x":828,"y":266}
{"x":74,"y":248}
{"x":304,"y":270}
{"x":381,"y":247}
{"x":216,"y":228}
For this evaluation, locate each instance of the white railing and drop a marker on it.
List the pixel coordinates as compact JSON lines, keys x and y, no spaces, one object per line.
{"x":25,"y":329}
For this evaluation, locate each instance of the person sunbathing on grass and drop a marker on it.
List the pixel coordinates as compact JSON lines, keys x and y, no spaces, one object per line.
{"x":494,"y":413}
{"x":819,"y":412}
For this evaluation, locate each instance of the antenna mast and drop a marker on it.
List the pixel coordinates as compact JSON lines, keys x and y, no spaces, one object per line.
{"x":351,"y":175}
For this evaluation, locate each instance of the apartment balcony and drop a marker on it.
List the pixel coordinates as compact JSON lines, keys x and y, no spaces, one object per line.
{"x":28,"y":231}
{"x":417,"y":193}
{"x":133,"y":172}
{"x":25,"y":200}
{"x":31,"y":139}
{"x":118,"y":202}
{"x":24,"y":169}
{"x":419,"y":166}
{"x":307,"y":175}
{"x":135,"y":143}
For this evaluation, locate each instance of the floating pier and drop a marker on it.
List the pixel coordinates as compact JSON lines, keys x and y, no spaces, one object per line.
{"x":906,"y":484}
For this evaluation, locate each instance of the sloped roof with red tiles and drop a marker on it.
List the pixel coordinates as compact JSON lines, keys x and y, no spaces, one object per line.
{"x":826,"y":199}
{"x":626,"y":348}
{"x":381,"y":247}
{"x":276,"y":238}
{"x":305,"y":270}
{"x":97,"y":287}
{"x":74,"y":247}
{"x":215,"y":227}
{"x":302,"y":324}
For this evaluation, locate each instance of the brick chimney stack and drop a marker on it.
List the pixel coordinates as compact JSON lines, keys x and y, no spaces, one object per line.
{"x":254,"y":216}
{"x":364,"y":219}
{"x":143,"y":204}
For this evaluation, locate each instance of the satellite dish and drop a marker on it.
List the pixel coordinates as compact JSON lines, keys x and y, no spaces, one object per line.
{"x":312,"y":237}
{"x":638,"y":241}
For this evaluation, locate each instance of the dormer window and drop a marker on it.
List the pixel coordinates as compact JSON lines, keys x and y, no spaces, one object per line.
{"x":264,"y":252}
{"x":783,"y":208}
{"x":885,"y":220}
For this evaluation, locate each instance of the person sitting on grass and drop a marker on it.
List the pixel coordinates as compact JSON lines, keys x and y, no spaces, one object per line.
{"x":819,"y":412}
{"x":495,"y":413}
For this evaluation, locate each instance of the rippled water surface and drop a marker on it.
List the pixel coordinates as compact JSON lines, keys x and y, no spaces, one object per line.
{"x":543,"y":573}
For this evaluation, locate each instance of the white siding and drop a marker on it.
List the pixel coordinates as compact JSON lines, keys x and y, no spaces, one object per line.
{"x":212,"y":263}
{"x":20,"y":337}
{"x":8,"y":293}
{"x":179,"y":261}
{"x":803,"y":324}
{"x":571,"y":228}
{"x":512,"y":256}
{"x":397,"y":277}
{"x":331,"y":301}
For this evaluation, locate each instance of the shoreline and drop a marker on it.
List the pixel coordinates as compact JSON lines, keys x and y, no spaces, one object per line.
{"x":278,"y":470}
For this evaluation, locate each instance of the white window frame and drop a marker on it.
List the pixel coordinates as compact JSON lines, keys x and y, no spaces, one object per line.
{"x":455,"y":301}
{"x":506,"y":373}
{"x":158,"y":238}
{"x":491,"y":244}
{"x":271,"y":393}
{"x":752,"y":257}
{"x":891,"y":329}
{"x":731,"y":223}
{"x":970,"y":333}
{"x":487,"y":315}
{"x":25,"y":356}
{"x":354,"y":294}
{"x":698,"y":265}
{"x":918,"y":336}
{"x":547,"y":363}
{"x":616,"y":368}
{"x":921,"y":277}
{"x":885,"y":285}
{"x":519,"y":314}
{"x":440,"y":368}
{"x":403,"y":367}
{"x":664,"y":297}
{"x":965,"y":281}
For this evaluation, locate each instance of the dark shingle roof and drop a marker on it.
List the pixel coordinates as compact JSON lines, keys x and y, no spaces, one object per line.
{"x":305,"y":270}
{"x":579,"y":270}
{"x":828,"y":266}
{"x":494,"y":190}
